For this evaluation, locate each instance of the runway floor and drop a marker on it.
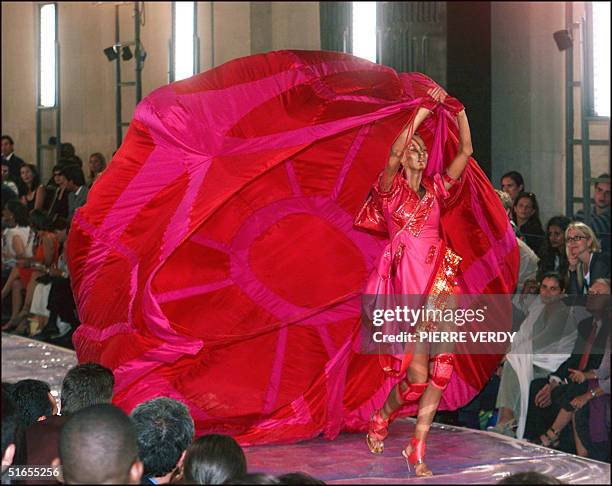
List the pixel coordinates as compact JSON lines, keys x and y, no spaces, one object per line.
{"x":456,"y":455}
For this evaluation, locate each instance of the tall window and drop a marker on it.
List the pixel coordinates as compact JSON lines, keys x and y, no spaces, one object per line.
{"x":364,"y":30}
{"x":48,"y":55}
{"x":184,"y":45}
{"x":601,"y":58}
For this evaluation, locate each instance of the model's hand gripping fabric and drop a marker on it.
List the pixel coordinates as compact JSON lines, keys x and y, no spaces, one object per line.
{"x":216,"y":261}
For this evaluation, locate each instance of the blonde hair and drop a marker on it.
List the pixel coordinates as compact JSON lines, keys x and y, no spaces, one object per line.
{"x":586,"y":230}
{"x":505,"y":199}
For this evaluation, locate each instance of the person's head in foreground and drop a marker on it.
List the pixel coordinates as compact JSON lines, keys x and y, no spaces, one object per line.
{"x":299,"y":478}
{"x":10,"y":422}
{"x":214,"y":459}
{"x":529,"y":477}
{"x":255,"y":478}
{"x":84,"y":385}
{"x":34,"y":401}
{"x":165,"y":430}
{"x":98,"y":446}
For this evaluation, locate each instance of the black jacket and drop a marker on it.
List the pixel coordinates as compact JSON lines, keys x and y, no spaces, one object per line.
{"x":598,"y":268}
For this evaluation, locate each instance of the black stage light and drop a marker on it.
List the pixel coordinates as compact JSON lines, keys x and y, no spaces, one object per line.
{"x":126,"y":53}
{"x":110,"y":53}
{"x":563,"y":39}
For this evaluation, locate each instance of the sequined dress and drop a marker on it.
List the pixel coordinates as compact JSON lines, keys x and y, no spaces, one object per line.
{"x":416,"y":260}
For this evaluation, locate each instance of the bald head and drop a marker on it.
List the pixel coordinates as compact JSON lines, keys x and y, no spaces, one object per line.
{"x":98,"y":446}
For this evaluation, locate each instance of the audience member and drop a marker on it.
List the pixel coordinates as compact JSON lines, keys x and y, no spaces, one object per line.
{"x":528,"y":259}
{"x":214,"y":459}
{"x":552,"y":252}
{"x":299,"y":478}
{"x":527,"y":219}
{"x":31,"y":192}
{"x":556,"y":398}
{"x":58,"y":207}
{"x":512,"y":184}
{"x":7,"y":151}
{"x":97,"y":164}
{"x":254,"y":478}
{"x":75,"y":184}
{"x":529,"y":477}
{"x":165,"y":430}
{"x":98,"y":445}
{"x":9,"y":188}
{"x":586,"y":263}
{"x":10,"y":424}
{"x":84,"y":385}
{"x":600,"y":212}
{"x":542,"y":343}
{"x":34,"y":401}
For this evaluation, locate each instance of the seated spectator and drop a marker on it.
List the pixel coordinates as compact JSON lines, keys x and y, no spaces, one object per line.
{"x":58,"y":207}
{"x":527,"y":219}
{"x":542,"y":343}
{"x":9,"y":188}
{"x":586,"y":263}
{"x":529,"y":477}
{"x":592,"y":416}
{"x":254,"y":478}
{"x":7,"y":151}
{"x":552,"y":251}
{"x":69,"y":156}
{"x":34,"y":401}
{"x":214,"y":459}
{"x":600,"y":212}
{"x":98,"y":445}
{"x":97,"y":164}
{"x":556,"y":398}
{"x":512,"y":183}
{"x":528,"y":259}
{"x":10,"y":424}
{"x":75,"y":184}
{"x":299,"y":478}
{"x":31,"y":192}
{"x":29,"y":269}
{"x":84,"y":385}
{"x":17,"y":243}
{"x":165,"y":430}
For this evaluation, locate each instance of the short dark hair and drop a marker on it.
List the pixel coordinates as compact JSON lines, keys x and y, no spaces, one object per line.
{"x":10,"y":420}
{"x":67,"y":150}
{"x":74,"y":174}
{"x":299,"y":478}
{"x":255,"y":478}
{"x":20,"y":212}
{"x":40,"y":221}
{"x":86,"y":384}
{"x":165,"y":430}
{"x":529,"y":477}
{"x":603,"y":176}
{"x":9,"y":138}
{"x":214,"y":459}
{"x":557,"y":276}
{"x":98,"y":445}
{"x":516,"y":177}
{"x":32,"y":399}
{"x":559,"y":221}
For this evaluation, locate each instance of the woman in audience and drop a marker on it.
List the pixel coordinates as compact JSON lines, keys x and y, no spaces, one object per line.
{"x":552,"y":252}
{"x":31,"y":191}
{"x":45,"y":256}
{"x":17,"y":243}
{"x":97,"y":164}
{"x":527,"y":219}
{"x":586,"y":263}
{"x":512,"y":183}
{"x":544,"y":341}
{"x":58,"y":208}
{"x":214,"y":459}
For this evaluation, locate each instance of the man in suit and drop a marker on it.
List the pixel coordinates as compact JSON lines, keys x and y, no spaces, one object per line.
{"x":7,"y":151}
{"x":77,"y":188}
{"x":550,"y":397}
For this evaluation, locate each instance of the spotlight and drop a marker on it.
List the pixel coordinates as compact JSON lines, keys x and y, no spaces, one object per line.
{"x":111,"y":53}
{"x":563,"y":39}
{"x":126,"y":53}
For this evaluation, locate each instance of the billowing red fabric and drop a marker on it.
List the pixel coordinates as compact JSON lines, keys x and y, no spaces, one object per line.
{"x":216,"y":261}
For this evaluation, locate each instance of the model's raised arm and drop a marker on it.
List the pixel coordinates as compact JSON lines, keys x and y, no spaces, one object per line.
{"x":456,"y":167}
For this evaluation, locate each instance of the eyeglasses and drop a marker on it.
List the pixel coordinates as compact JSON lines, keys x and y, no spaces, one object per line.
{"x":575,"y":238}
